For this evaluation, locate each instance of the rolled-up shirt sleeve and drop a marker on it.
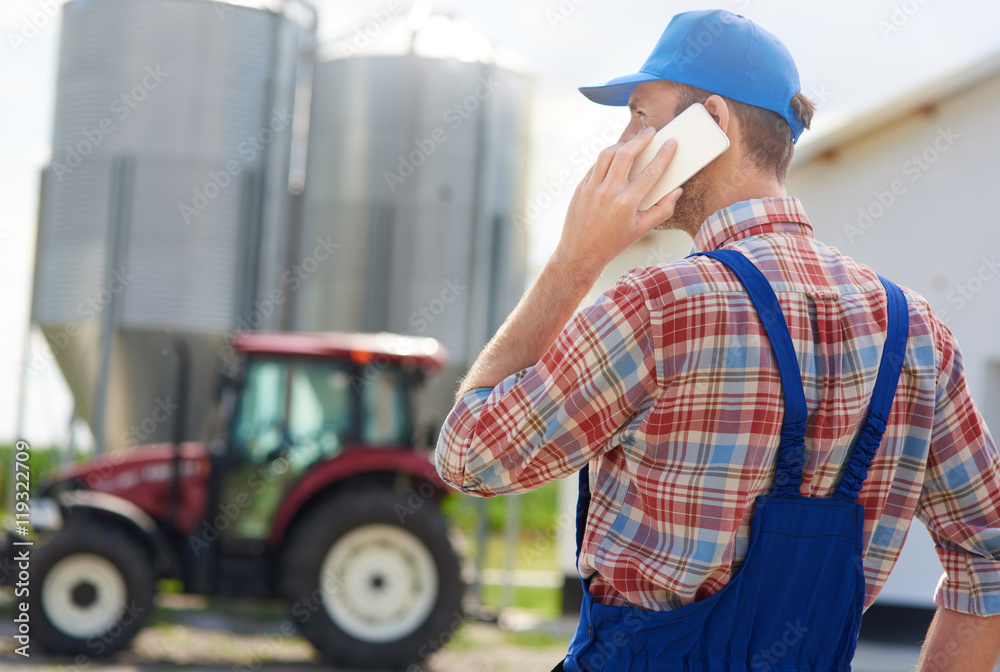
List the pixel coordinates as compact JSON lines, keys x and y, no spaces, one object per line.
{"x":960,"y":499}
{"x":547,"y":421}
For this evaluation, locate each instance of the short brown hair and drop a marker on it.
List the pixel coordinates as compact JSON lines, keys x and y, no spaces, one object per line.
{"x":766,"y":135}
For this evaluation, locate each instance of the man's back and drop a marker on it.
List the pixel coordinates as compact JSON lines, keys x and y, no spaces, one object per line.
{"x":685,"y":406}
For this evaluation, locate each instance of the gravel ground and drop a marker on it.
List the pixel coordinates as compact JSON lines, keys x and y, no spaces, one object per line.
{"x":485,"y":649}
{"x":184,"y":634}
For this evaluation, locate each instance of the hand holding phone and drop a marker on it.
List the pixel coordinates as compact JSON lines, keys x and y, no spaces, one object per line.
{"x":699,"y":142}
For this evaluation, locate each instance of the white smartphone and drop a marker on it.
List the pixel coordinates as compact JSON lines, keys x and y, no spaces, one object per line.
{"x":699,"y":142}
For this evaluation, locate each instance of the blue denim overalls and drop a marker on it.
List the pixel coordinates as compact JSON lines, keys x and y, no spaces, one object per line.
{"x":795,"y":603}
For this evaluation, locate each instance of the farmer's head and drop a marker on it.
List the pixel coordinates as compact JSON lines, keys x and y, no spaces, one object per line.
{"x":746,"y":79}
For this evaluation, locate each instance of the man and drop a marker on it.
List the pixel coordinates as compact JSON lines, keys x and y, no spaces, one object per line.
{"x":724,"y":435}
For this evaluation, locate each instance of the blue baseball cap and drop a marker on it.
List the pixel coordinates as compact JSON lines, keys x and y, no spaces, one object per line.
{"x":720,"y":52}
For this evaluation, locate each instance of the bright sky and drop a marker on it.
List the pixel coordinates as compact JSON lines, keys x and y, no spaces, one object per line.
{"x":852,"y":55}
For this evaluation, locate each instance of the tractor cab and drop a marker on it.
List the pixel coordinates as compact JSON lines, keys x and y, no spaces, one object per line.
{"x":348,"y":392}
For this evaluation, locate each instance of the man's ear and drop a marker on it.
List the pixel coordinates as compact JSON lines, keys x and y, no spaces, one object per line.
{"x":719,"y":110}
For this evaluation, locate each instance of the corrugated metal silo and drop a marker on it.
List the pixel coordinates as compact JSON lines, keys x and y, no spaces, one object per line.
{"x":165,"y":198}
{"x":416,"y":173}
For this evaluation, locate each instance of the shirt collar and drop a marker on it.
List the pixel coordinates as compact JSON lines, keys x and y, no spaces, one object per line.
{"x":752,"y":218}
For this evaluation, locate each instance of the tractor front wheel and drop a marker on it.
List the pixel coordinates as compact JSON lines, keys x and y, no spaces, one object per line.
{"x":92,"y":589}
{"x":373,"y":581}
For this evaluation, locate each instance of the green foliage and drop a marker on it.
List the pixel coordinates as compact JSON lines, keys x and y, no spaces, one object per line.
{"x":536,"y":546}
{"x":538,"y":510}
{"x":41,"y":463}
{"x":546,"y":602}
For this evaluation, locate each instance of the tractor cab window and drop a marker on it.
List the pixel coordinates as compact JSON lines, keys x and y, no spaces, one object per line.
{"x":384,"y":412}
{"x":301,"y":409}
{"x":293,"y":412}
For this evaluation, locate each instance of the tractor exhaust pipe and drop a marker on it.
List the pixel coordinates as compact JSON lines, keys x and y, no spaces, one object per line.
{"x":183,"y":353}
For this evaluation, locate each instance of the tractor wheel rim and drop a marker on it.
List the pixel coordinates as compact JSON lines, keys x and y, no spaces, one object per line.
{"x":83,"y":595}
{"x":379,"y":583}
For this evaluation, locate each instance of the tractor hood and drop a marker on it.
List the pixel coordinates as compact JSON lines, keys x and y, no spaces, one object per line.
{"x":124,"y":469}
{"x":143,"y":476}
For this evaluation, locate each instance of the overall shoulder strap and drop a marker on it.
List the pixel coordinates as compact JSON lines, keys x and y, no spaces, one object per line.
{"x":889,"y":369}
{"x":788,"y":475}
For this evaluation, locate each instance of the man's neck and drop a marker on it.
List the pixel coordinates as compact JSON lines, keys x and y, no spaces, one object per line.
{"x":747,"y":189}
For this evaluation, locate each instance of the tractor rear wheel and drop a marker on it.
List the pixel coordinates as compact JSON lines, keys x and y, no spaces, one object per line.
{"x":373,"y":582}
{"x":91,"y":590}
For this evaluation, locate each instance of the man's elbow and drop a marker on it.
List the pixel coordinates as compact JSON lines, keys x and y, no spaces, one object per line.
{"x":469,"y":485}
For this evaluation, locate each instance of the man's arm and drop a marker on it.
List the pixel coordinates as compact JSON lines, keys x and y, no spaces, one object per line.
{"x":602,"y":221}
{"x":958,"y":642}
{"x":533,"y":325}
{"x":960,"y":504}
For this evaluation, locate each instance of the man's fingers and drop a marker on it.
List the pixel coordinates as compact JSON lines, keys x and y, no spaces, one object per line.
{"x":659,"y":212}
{"x":645,"y":180}
{"x":627,"y":152}
{"x":600,"y":169}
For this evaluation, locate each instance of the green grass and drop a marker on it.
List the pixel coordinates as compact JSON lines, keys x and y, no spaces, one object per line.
{"x":538,"y":510}
{"x":472,"y":639}
{"x":545,"y":602}
{"x":536,"y":547}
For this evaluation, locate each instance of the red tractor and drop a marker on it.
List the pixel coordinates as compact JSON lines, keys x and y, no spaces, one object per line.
{"x":308,"y":488}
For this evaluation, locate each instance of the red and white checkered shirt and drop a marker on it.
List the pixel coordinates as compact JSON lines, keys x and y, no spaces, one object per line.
{"x":668,"y":387}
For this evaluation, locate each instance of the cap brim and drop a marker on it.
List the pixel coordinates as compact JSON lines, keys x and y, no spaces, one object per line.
{"x":616,"y":91}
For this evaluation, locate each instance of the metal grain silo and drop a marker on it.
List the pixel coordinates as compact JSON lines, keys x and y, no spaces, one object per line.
{"x":163,"y":209}
{"x":416,"y":173}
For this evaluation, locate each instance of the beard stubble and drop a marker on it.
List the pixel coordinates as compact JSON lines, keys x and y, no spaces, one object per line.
{"x":692,"y":207}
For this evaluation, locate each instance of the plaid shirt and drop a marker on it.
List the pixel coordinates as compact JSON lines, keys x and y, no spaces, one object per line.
{"x":668,"y":387}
